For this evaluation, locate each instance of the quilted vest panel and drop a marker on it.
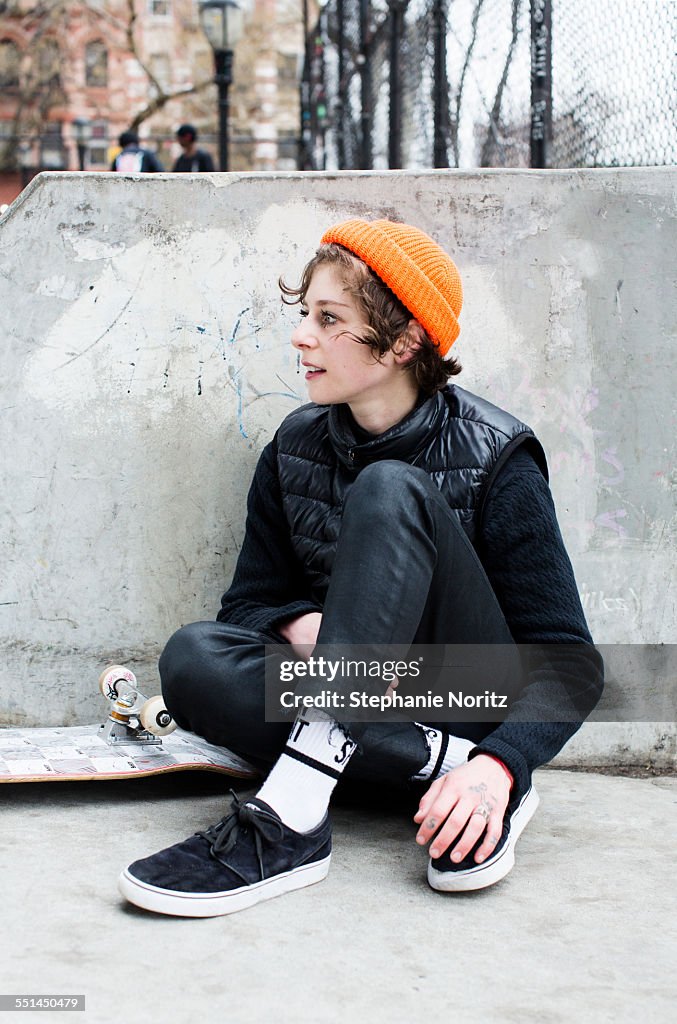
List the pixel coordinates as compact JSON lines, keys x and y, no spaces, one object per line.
{"x":459,"y":439}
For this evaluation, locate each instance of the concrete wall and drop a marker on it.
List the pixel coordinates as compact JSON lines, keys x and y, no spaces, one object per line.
{"x":146,"y":360}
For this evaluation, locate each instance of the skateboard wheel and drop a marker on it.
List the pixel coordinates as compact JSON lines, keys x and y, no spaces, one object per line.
{"x":155,"y":717}
{"x":116,"y":680}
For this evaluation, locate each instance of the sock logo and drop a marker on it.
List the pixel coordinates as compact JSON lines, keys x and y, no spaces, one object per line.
{"x":346,"y":751}
{"x":300,"y":722}
{"x":347,"y":745}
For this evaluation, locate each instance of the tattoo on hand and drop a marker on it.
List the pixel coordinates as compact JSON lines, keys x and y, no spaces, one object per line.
{"x":487,"y":799}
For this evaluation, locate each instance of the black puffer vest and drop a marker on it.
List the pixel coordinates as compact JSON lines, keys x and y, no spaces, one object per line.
{"x":460,"y":440}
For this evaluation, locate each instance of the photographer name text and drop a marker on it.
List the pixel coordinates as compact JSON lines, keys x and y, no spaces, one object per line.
{"x":327,"y":700}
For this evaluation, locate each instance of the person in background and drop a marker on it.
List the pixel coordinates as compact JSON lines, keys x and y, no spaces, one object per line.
{"x":133,"y":158}
{"x":192,"y":160}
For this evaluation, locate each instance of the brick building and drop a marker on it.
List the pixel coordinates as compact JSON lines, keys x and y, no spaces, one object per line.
{"x":117,"y":63}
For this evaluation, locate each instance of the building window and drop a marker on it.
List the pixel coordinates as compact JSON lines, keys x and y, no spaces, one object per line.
{"x":48,"y":61}
{"x":161,"y":68}
{"x":288,"y":68}
{"x":96,"y":64}
{"x":203,"y":61}
{"x":53,"y":155}
{"x":287,"y":150}
{"x":9,"y":64}
{"x":98,"y":146}
{"x":160,"y":8}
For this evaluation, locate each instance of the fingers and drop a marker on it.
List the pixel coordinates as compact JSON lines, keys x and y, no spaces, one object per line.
{"x":463,"y":826}
{"x":459,"y":812}
{"x":478,"y":824}
{"x":493,"y":834}
{"x":428,"y":799}
{"x":439,"y":806}
{"x":453,"y":826}
{"x":393,"y":686}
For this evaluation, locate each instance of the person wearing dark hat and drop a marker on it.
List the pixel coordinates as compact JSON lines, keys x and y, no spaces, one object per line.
{"x":394,"y":508}
{"x":192,"y":159}
{"x":133,"y":158}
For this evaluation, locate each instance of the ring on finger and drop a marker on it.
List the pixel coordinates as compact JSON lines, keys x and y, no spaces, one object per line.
{"x":482,"y":810}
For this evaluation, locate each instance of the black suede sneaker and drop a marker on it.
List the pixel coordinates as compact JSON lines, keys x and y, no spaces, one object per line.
{"x":246,"y":857}
{"x":446,"y":876}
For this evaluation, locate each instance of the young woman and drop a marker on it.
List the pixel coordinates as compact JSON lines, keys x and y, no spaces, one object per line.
{"x":395,"y":508}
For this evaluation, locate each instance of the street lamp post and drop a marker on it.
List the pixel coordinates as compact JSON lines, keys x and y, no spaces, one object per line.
{"x":26,"y":162}
{"x":222,"y":24}
{"x":82,"y":132}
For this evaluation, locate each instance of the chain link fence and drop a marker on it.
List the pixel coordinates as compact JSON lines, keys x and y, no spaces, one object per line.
{"x":616,"y":69}
{"x":491,"y":83}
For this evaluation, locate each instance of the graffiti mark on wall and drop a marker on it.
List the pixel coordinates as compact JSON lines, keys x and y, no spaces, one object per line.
{"x":610,"y":456}
{"x":625,"y":602}
{"x":609,"y":521}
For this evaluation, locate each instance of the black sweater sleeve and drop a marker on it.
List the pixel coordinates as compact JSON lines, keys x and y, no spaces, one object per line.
{"x":523,"y":554}
{"x":268,"y":586}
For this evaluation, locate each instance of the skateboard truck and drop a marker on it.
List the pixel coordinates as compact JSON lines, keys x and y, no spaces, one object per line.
{"x":133,"y":718}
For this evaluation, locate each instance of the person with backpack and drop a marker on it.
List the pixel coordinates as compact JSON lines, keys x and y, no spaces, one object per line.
{"x":133,"y":158}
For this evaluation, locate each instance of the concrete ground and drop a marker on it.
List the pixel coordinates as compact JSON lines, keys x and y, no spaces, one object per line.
{"x":584,"y":929}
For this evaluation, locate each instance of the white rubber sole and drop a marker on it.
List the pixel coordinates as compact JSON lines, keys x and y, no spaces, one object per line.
{"x":495,"y":868}
{"x":166,"y":901}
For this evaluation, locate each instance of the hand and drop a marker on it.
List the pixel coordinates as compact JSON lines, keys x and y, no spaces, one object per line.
{"x":302,"y":632}
{"x":451,"y":802}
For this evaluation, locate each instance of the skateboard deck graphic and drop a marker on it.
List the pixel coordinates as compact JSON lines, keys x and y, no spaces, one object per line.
{"x":139,"y":738}
{"x":71,"y":753}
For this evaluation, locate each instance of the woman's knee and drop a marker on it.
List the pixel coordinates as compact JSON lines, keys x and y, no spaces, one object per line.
{"x":204,"y":660}
{"x":406,"y":494}
{"x":181,"y":652}
{"x":389,"y":474}
{"x":387,"y":482}
{"x":212,"y":677}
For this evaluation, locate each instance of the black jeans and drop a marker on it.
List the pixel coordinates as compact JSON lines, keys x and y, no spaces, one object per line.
{"x":404,"y":572}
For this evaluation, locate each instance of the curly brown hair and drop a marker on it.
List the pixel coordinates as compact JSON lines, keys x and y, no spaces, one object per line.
{"x":391,"y":325}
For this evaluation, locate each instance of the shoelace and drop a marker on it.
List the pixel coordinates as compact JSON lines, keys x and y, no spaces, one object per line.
{"x":223,"y":836}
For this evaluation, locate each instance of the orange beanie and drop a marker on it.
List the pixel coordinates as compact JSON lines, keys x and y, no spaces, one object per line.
{"x":414,"y":267}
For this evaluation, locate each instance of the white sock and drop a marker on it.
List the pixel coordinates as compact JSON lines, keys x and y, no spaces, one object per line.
{"x":302,"y":780}
{"x":446,"y":752}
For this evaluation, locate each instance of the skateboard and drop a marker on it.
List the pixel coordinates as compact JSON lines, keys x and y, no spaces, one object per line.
{"x":138,"y":738}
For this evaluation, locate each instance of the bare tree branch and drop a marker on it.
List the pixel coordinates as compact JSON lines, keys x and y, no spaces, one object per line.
{"x":161,"y":97}
{"x":134,"y":50}
{"x":493,"y":134}
{"x":159,"y":101}
{"x":466,"y":64}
